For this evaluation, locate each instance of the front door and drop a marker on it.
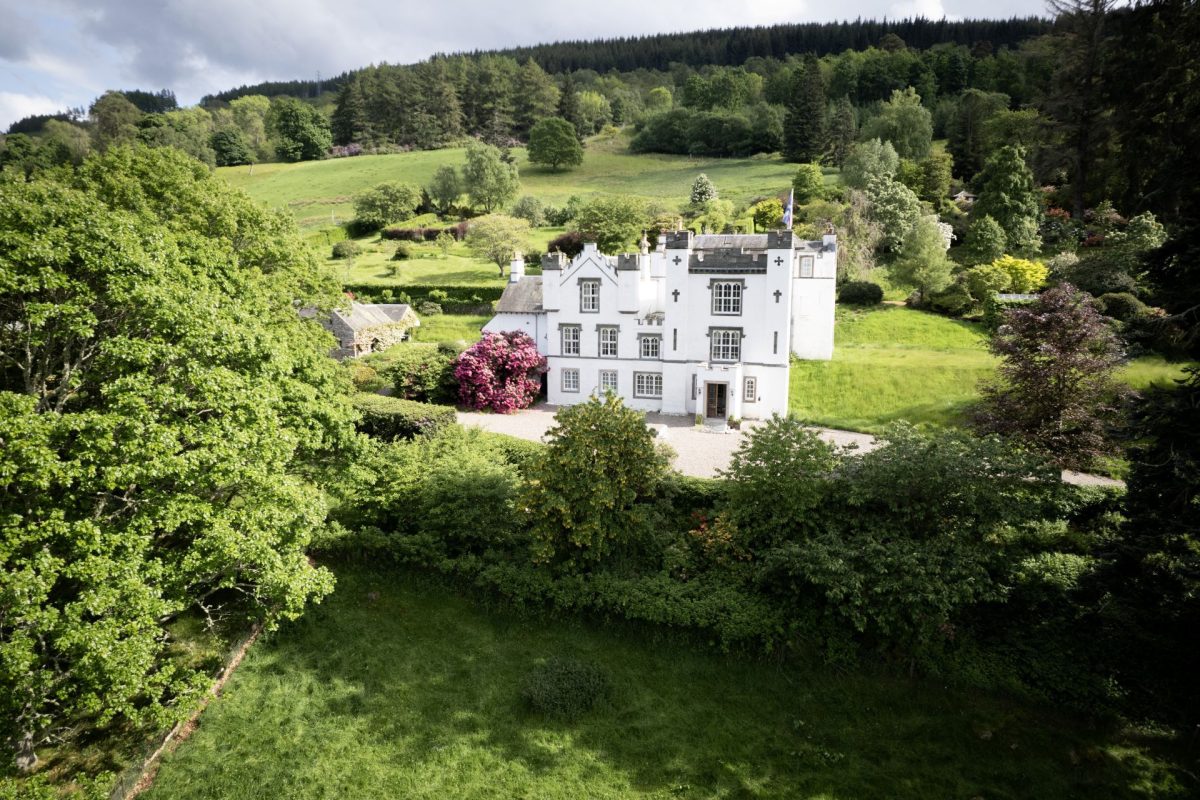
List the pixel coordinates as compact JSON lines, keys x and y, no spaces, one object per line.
{"x":714,"y":402}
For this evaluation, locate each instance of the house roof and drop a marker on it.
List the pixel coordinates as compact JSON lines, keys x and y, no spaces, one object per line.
{"x":522,"y":297}
{"x":730,"y":241}
{"x":369,"y":315}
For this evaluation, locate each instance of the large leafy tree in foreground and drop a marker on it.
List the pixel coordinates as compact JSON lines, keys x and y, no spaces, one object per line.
{"x":162,"y":407}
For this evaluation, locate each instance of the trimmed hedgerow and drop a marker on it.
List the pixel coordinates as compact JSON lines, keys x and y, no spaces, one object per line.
{"x":420,"y":234}
{"x":391,"y":418}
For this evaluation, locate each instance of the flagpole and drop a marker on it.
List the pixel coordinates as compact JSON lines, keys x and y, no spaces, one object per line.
{"x":790,"y":212}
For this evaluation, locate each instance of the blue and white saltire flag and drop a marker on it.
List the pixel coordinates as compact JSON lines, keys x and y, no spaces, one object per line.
{"x":787,"y":212}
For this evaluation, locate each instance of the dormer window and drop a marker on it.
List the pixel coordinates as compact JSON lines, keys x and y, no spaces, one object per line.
{"x":726,"y":298}
{"x":589,"y":296}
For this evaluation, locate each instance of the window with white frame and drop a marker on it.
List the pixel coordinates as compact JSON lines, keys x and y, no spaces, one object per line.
{"x":608,"y":381}
{"x":589,"y":296}
{"x":608,"y":342}
{"x":647,"y":384}
{"x":727,"y":297}
{"x":570,"y":380}
{"x":750,"y":390}
{"x":806,"y":266}
{"x":651,"y":346}
{"x":725,"y":344}
{"x":570,"y":340}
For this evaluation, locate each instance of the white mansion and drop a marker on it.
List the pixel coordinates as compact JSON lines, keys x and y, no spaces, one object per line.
{"x":701,"y":325}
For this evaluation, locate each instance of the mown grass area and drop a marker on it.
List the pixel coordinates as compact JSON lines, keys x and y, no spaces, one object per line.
{"x":427,"y":264}
{"x":896,"y":364}
{"x":320,"y":192}
{"x":398,"y":687}
{"x":449,"y":328}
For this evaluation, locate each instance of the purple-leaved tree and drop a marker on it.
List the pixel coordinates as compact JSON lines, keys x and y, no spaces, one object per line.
{"x":1056,"y":390}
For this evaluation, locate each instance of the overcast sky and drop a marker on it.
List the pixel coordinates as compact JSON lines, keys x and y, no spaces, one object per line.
{"x":56,"y":54}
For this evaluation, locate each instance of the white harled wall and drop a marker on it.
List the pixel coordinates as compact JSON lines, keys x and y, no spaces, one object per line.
{"x":781,"y":313}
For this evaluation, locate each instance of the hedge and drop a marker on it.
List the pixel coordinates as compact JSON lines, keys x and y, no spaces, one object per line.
{"x":454,"y":299}
{"x":422,"y":234}
{"x":391,"y":418}
{"x":860,"y":293}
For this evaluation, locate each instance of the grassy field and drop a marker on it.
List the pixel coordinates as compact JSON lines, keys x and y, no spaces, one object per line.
{"x":894,"y":363}
{"x":395,"y":687}
{"x":320,"y":192}
{"x":427,"y":264}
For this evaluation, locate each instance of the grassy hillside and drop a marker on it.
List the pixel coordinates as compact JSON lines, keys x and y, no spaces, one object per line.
{"x":892,"y":363}
{"x":397,"y":687}
{"x":320,"y":192}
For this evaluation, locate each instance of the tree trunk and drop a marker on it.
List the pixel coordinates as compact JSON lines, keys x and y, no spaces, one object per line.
{"x":26,"y":756}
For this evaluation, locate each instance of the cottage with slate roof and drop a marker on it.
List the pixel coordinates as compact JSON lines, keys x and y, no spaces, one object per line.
{"x":369,"y":327}
{"x":702,"y":325}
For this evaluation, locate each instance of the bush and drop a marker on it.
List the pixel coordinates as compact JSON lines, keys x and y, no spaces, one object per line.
{"x":347,"y":248}
{"x":403,"y":252}
{"x":384,"y":203}
{"x":364,"y":377}
{"x":570,"y":243}
{"x":521,"y":453}
{"x":422,"y":372}
{"x":1121,"y":306}
{"x":860,"y":293}
{"x":564,"y":688}
{"x":421,"y":234}
{"x":530,"y":209}
{"x":459,"y":299}
{"x":391,"y":418}
{"x":500,"y":372}
{"x":428,"y":308}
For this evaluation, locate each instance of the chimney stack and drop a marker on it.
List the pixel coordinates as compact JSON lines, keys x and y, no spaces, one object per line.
{"x":516,"y":270}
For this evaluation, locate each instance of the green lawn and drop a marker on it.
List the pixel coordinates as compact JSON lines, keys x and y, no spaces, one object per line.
{"x":449,"y":328}
{"x":320,"y":192}
{"x":395,"y":687}
{"x":427,"y":264}
{"x":893,"y":363}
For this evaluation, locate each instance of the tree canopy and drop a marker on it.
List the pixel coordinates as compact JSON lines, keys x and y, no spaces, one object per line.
{"x":162,"y":408}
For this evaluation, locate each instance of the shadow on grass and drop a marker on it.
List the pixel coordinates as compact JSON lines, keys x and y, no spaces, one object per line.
{"x":396,"y":687}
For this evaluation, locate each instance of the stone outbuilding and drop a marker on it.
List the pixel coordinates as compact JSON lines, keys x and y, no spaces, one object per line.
{"x":369,"y":327}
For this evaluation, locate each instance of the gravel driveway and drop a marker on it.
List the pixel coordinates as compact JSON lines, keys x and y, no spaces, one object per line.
{"x":699,"y":451}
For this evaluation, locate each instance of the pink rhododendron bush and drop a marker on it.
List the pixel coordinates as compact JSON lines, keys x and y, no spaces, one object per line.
{"x":502,"y":371}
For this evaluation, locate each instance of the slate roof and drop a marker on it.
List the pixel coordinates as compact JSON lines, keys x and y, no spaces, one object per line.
{"x":730,"y":241}
{"x":369,"y":315}
{"x":522,"y":297}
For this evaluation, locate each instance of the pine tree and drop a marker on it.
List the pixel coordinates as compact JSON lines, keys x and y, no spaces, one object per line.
{"x":804,"y":126}
{"x":568,"y":106}
{"x":843,"y":131}
{"x":349,"y":120}
{"x":1008,"y":195}
{"x":536,"y":97}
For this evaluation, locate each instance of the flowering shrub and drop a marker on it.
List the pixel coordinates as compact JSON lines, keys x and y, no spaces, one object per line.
{"x":345,"y":151}
{"x":500,"y":372}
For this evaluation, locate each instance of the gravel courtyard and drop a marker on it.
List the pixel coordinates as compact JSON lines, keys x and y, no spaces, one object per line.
{"x":699,"y":451}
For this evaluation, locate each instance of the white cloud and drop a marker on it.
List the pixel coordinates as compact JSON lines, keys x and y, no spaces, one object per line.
{"x":74,"y":49}
{"x":929,"y":9}
{"x":14,"y":106}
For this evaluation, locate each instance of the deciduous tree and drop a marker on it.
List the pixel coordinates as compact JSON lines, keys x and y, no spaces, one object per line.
{"x":497,"y":238}
{"x":490,"y":181}
{"x":1008,"y":195}
{"x":163,"y":409}
{"x":586,"y":498}
{"x":552,"y":141}
{"x":1056,"y":391}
